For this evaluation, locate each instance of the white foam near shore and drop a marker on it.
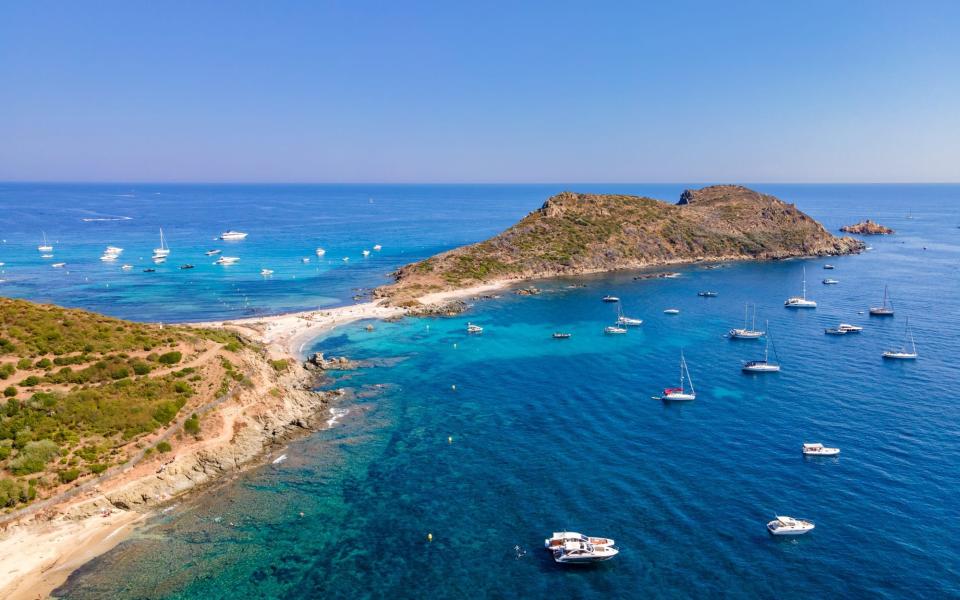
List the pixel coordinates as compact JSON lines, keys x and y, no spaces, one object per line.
{"x":335,"y":415}
{"x":279,"y":459}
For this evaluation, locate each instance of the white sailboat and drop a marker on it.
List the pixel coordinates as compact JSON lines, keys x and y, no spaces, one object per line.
{"x":763,"y":366}
{"x":163,"y":251}
{"x":884,"y":310}
{"x":45,"y":246}
{"x":801,"y":301}
{"x":623,"y":320}
{"x":903,"y":353}
{"x":744,"y":333}
{"x":680,"y":393}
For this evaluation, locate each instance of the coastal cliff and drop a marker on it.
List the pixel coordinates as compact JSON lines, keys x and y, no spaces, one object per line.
{"x":576,"y":233}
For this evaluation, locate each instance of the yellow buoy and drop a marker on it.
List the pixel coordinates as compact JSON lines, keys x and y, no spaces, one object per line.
{"x":429,"y":537}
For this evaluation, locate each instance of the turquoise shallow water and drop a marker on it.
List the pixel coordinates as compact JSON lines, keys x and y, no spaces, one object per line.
{"x":563,"y":434}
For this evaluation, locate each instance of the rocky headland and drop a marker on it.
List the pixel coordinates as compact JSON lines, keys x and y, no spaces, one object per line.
{"x":574,"y":233}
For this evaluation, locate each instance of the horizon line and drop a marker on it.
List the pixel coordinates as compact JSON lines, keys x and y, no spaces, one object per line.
{"x":453,"y":183}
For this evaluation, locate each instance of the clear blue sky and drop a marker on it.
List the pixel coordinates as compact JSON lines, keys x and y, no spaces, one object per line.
{"x":355,"y":91}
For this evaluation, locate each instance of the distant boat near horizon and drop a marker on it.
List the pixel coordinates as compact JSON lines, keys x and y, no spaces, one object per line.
{"x":163,"y":251}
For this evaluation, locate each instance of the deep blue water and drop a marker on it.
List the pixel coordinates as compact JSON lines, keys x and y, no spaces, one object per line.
{"x":549,"y":434}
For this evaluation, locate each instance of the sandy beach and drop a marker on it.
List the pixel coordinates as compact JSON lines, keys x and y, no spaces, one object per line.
{"x":38,"y":553}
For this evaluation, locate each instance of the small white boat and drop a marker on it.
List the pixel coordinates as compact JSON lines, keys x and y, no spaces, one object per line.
{"x":305,"y":259}
{"x":559,"y":538}
{"x":708,"y":294}
{"x":801,"y":301}
{"x":366,"y":253}
{"x":346,"y":259}
{"x":626,"y":321}
{"x":233,"y":235}
{"x":212,"y":252}
{"x":680,"y":394}
{"x":849,"y":328}
{"x":471,"y":328}
{"x":127,"y":267}
{"x":789,"y":526}
{"x":46,"y":256}
{"x":672,"y":311}
{"x":45,"y":246}
{"x":744,"y":333}
{"x":818,"y":449}
{"x":58,"y":265}
{"x":266,"y":271}
{"x":835,"y":331}
{"x":108,"y":257}
{"x":163,"y":250}
{"x":885,"y":309}
{"x":582,"y":553}
{"x":226,"y":260}
{"x":903,"y":353}
{"x":762,"y":366}
{"x":828,"y":267}
{"x":561,"y":336}
{"x":609,"y":298}
{"x":831,"y":281}
{"x":113,"y":250}
{"x":377,"y":247}
{"x":614,"y":330}
{"x":321,"y":251}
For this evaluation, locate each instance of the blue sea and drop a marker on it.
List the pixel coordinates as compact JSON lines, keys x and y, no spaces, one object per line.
{"x":491,"y":442}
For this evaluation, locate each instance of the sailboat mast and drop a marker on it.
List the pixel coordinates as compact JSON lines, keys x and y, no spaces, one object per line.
{"x":804,"y":283}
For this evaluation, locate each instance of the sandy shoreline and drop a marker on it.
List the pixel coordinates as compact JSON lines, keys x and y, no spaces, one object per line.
{"x":38,"y":555}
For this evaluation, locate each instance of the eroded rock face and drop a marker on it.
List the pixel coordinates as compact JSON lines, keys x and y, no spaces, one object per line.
{"x":867,"y":227}
{"x":575,"y":233}
{"x":334,"y":363}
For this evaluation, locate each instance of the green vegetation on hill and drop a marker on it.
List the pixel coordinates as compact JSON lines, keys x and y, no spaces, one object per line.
{"x":578,"y":233}
{"x":80,"y":387}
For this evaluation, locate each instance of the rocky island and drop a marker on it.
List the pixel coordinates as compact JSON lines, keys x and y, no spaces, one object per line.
{"x":867,"y":227}
{"x":575,"y":233}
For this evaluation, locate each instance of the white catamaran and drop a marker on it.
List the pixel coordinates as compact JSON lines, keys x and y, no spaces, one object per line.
{"x":801,"y":301}
{"x":747,"y":334}
{"x":680,"y":393}
{"x":903,"y":353}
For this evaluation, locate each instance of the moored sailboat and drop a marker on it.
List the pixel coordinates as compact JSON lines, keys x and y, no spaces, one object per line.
{"x":743,"y":333}
{"x":801,"y":301}
{"x":680,"y":393}
{"x":763,"y":366}
{"x":903,"y":353}
{"x":885,"y":309}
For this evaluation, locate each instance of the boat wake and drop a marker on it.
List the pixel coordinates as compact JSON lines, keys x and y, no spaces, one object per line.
{"x":97,"y":219}
{"x":335,"y":415}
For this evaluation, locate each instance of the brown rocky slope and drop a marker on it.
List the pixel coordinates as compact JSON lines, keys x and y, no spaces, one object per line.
{"x":587,"y":233}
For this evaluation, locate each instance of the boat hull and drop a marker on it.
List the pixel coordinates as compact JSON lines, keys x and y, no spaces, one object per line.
{"x":678,"y":397}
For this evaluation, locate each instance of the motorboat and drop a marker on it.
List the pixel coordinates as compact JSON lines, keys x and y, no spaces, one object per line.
{"x":609,"y":298}
{"x":708,"y":294}
{"x":828,"y":267}
{"x":818,"y":449}
{"x":829,"y":281}
{"x":321,"y":251}
{"x":559,"y":538}
{"x":212,"y":252}
{"x":127,"y":267}
{"x":850,"y":328}
{"x":226,"y":260}
{"x":305,"y":259}
{"x":58,"y":265}
{"x":45,"y":246}
{"x":582,"y":553}
{"x":46,"y":256}
{"x":377,"y":247}
{"x":789,"y":526}
{"x":801,"y":301}
{"x":561,"y":336}
{"x":744,"y":333}
{"x":614,"y":330}
{"x":903,"y":353}
{"x":672,"y":311}
{"x":680,"y":394}
{"x":346,"y":259}
{"x":366,"y":253}
{"x":471,"y":328}
{"x":113,"y":250}
{"x":266,"y":272}
{"x":233,"y":235}
{"x":763,"y":366}
{"x":185,"y":267}
{"x":885,"y":309}
{"x":835,"y":331}
{"x":163,"y":250}
{"x":149,"y":270}
{"x":108,"y":257}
